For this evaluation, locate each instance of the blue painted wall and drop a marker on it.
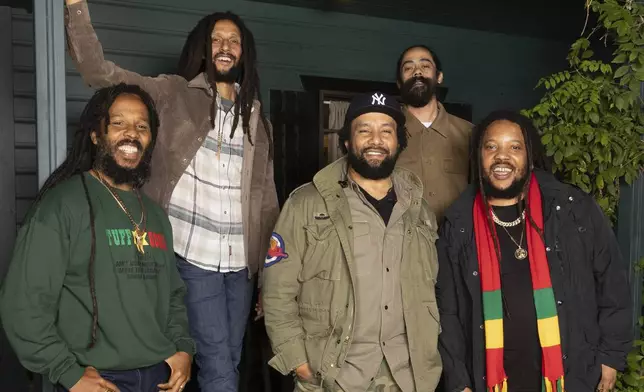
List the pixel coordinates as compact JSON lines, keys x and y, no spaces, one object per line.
{"x":486,"y":70}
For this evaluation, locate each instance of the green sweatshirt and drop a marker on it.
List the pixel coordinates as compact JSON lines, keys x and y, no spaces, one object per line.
{"x":45,"y":301}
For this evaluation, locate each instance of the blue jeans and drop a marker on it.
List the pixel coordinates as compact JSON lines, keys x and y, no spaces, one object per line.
{"x":218,"y":306}
{"x":138,"y":380}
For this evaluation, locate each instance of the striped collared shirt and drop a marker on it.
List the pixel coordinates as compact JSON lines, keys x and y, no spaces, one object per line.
{"x":206,"y":209}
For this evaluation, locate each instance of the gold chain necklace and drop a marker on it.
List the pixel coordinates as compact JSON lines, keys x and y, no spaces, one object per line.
{"x":138,"y":234}
{"x":520,"y":253}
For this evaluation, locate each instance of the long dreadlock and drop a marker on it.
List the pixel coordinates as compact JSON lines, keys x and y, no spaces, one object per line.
{"x":196,"y":57}
{"x":536,"y":159}
{"x":82,"y":156}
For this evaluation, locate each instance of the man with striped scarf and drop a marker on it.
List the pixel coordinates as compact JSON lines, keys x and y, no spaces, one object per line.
{"x":532,"y":290}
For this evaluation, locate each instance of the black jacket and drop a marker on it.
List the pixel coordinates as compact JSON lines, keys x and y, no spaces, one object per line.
{"x":589,"y":280}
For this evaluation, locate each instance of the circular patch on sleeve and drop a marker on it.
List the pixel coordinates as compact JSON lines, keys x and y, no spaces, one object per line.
{"x":276,"y":250}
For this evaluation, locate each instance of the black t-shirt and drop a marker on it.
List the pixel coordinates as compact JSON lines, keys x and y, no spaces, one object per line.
{"x":521,"y":349}
{"x":384,"y":206}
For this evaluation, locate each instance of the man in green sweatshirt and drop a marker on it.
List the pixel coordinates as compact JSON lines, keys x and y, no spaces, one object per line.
{"x":93,"y":299}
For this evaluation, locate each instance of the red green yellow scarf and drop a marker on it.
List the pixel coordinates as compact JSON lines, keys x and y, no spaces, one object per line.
{"x":544,"y":300}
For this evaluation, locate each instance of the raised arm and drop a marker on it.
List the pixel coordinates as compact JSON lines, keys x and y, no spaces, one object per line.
{"x":87,"y":53}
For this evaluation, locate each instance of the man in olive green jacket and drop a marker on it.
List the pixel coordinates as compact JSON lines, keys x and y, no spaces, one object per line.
{"x":349,"y":278}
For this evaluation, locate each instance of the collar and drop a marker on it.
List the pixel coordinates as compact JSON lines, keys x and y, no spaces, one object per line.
{"x":460,"y":212}
{"x":200,"y":81}
{"x":440,"y":124}
{"x":328,"y":182}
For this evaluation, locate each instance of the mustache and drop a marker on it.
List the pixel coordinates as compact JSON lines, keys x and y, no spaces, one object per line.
{"x":411,"y":82}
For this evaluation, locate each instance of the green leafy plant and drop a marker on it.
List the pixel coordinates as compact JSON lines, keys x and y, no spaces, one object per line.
{"x":633,"y":379}
{"x":591,"y":114}
{"x":592,"y":120}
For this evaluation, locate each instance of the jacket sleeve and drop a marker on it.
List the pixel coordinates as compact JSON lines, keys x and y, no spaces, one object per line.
{"x":30,"y":294}
{"x":270,"y":208}
{"x":451,"y":341}
{"x":613,"y":294}
{"x":87,"y":53}
{"x":281,"y":288}
{"x":177,"y":328}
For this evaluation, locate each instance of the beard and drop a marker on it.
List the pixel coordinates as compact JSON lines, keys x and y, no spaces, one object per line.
{"x":108,"y":166}
{"x":511,"y":192}
{"x":418,"y":96}
{"x":230,"y":76}
{"x":361,"y":165}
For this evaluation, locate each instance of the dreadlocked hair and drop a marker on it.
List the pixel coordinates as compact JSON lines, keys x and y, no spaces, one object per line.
{"x":196,"y":57}
{"x":536,"y":159}
{"x":82,"y":155}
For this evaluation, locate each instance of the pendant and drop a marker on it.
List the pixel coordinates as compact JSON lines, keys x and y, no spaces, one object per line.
{"x":139,"y":240}
{"x":520,"y":253}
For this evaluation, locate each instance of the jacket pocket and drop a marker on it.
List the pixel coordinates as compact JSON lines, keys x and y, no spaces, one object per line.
{"x":321,"y":259}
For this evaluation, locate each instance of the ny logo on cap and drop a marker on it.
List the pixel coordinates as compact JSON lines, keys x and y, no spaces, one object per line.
{"x":378,"y":99}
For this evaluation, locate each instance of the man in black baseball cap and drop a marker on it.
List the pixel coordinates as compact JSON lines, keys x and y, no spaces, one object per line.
{"x":373,"y":158}
{"x":346,"y":308}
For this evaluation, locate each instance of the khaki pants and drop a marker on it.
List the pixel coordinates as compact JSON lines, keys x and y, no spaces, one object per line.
{"x":383,"y":382}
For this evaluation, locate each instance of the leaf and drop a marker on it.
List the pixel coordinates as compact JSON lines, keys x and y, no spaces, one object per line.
{"x":594,"y":117}
{"x":587,"y":54}
{"x":558,"y":157}
{"x":633,"y":56}
{"x":621,"y":71}
{"x":546,"y":139}
{"x":619,"y":103}
{"x":599,"y":180}
{"x":570,"y":151}
{"x":621,"y":58}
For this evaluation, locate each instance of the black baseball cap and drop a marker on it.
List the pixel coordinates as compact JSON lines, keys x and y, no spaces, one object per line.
{"x":375,"y":102}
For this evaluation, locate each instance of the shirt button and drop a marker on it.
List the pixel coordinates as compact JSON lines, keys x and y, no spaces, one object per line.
{"x":548,"y":249}
{"x":346,"y":339}
{"x":558,"y":208}
{"x":200,"y":139}
{"x":481,"y":326}
{"x":384,"y":344}
{"x":79,"y":12}
{"x":184,"y":160}
{"x":338,"y":341}
{"x":571,"y":198}
{"x":224,"y":165}
{"x":559,"y":303}
{"x":462,"y":230}
{"x":475,"y":273}
{"x":386,"y":307}
{"x":172,"y":182}
{"x":432,"y":194}
{"x":387,"y":269}
{"x":564,"y":357}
